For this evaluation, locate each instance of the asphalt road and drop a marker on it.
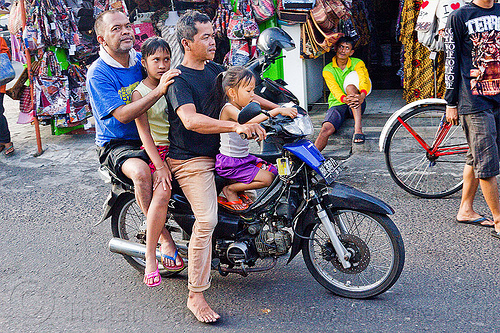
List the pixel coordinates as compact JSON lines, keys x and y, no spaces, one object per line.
{"x":57,"y":274}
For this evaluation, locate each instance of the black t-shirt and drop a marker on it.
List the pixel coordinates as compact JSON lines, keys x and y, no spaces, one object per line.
{"x":192,"y":87}
{"x":472,"y":67}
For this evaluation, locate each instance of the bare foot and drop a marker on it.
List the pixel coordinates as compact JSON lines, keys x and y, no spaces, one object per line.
{"x":197,"y":304}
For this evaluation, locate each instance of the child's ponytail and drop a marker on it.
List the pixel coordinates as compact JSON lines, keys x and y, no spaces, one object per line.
{"x":232,"y":78}
{"x":217,"y":96}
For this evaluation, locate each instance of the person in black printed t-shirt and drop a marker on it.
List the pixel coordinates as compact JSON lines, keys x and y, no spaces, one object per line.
{"x":194,"y":143}
{"x":472,"y":76}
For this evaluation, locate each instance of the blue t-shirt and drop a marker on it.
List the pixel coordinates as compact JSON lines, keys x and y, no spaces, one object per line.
{"x":108,"y":88}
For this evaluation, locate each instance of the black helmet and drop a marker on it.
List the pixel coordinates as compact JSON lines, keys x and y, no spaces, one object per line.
{"x":272,"y":40}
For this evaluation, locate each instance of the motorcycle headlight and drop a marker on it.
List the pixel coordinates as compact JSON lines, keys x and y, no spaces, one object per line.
{"x":301,"y":125}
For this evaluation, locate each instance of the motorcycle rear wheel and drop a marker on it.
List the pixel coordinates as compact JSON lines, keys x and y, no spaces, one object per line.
{"x":377,"y":254}
{"x":129,"y":223}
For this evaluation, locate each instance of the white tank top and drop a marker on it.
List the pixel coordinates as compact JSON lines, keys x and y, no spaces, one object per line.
{"x":231,"y":144}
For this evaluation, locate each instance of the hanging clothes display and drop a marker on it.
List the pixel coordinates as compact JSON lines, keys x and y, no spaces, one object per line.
{"x":53,"y":40}
{"x":432,"y":19}
{"x":242,"y":31}
{"x":418,"y":80}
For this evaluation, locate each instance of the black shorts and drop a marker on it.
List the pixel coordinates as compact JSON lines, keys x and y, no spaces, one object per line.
{"x":337,"y":114}
{"x":114,"y":153}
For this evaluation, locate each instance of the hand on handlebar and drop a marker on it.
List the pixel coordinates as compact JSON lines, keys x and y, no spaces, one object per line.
{"x":288,"y":112}
{"x":251,"y":131}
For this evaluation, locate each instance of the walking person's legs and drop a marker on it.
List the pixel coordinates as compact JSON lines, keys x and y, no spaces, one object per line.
{"x":481,"y":130}
{"x":466,"y":211}
{"x":490,"y":192}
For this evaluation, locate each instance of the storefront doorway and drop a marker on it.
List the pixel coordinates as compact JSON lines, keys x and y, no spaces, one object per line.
{"x":382,"y":55}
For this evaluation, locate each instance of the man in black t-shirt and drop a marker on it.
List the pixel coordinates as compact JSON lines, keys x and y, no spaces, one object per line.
{"x":194,"y":143}
{"x":472,"y":77}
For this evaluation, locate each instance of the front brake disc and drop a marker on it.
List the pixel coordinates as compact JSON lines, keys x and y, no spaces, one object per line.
{"x":360,"y":254}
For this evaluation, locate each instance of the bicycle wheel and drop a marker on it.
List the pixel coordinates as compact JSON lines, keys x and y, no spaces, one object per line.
{"x":412,"y":167}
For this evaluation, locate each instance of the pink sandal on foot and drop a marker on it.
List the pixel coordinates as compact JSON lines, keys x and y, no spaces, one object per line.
{"x":151,"y":277}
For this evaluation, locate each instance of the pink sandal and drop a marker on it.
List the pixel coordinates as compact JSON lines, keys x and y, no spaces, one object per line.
{"x":152,"y":276}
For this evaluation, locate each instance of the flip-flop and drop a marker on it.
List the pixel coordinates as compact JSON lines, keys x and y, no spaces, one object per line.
{"x":245,"y":198}
{"x":495,"y":234}
{"x":230,"y":204}
{"x":174,"y":258}
{"x":152,"y":275}
{"x":9,"y":151}
{"x":477,"y":222}
{"x":360,"y":137}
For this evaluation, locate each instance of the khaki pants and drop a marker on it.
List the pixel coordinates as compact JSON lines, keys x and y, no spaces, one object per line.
{"x":196,"y":179}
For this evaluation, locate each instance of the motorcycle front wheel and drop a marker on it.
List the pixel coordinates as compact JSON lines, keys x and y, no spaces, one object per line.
{"x":376,"y":249}
{"x":129,"y":223}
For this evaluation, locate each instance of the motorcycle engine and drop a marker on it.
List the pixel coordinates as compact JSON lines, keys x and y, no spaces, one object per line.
{"x":236,"y":252}
{"x":273,"y":243}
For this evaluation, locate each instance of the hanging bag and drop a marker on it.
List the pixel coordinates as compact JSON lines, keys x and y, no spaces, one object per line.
{"x":324,"y":16}
{"x":309,"y":48}
{"x":292,"y":16}
{"x":15,"y":21}
{"x":329,"y":38}
{"x":7,"y":72}
{"x":321,"y":40}
{"x":263,"y":10}
{"x":241,"y":27}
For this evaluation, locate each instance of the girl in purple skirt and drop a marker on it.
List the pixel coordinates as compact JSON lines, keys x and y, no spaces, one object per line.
{"x":233,"y":91}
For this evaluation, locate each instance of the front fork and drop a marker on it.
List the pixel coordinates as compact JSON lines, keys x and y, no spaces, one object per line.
{"x":342,"y":254}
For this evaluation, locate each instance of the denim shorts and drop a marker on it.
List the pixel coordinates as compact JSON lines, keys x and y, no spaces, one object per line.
{"x":482,"y":131}
{"x":337,"y":114}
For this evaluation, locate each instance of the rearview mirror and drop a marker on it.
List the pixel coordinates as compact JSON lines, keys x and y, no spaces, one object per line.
{"x":249,"y":112}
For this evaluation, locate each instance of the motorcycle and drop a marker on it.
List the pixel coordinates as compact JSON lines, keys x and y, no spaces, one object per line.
{"x":348,"y":242}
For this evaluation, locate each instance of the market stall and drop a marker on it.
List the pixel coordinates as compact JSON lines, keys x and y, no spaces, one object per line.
{"x":45,"y":36}
{"x":54,"y":39}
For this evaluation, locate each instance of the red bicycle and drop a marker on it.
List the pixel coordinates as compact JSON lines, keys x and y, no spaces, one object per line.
{"x":425,"y":154}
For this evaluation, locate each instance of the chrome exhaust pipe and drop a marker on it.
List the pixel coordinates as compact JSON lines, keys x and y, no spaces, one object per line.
{"x":133,"y":249}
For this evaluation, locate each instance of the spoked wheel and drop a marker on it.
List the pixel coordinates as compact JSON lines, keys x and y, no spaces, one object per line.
{"x":376,"y":250}
{"x":128,"y":222}
{"x":412,"y":167}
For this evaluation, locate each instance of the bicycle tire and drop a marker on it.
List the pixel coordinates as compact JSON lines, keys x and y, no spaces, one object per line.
{"x":408,"y":162}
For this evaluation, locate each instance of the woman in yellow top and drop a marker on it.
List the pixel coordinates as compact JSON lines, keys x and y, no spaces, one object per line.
{"x":5,"y":144}
{"x":349,"y":84}
{"x":153,"y":129}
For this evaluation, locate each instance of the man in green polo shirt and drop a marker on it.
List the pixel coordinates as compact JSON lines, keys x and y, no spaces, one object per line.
{"x":349,"y":84}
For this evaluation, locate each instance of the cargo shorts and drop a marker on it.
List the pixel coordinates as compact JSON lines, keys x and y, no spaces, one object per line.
{"x":482,"y":131}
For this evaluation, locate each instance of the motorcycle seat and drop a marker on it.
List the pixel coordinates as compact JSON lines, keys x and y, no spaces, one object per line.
{"x":269,"y":157}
